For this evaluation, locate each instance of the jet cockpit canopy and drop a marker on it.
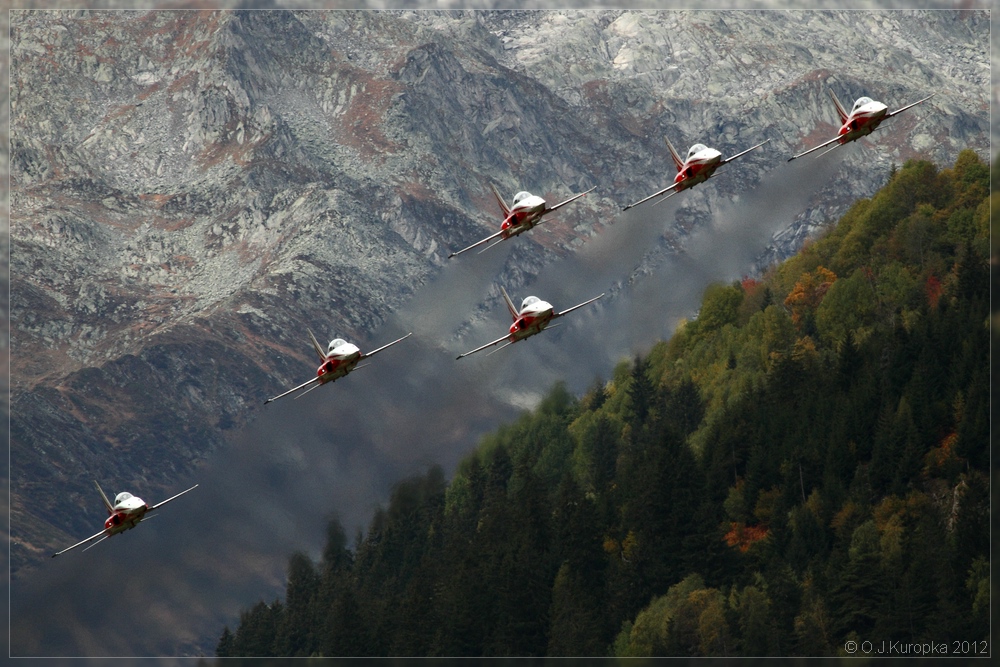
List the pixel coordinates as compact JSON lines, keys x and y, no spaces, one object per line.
{"x":523,"y":194}
{"x":697,"y":148}
{"x":335,"y":343}
{"x":861,"y":101}
{"x":529,"y":301}
{"x":122,"y":497}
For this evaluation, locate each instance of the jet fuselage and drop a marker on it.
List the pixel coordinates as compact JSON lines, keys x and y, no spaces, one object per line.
{"x":128,"y":510}
{"x":525,"y":212}
{"x":699,"y":166}
{"x":864,"y":118}
{"x":534,"y":316}
{"x":340,"y":360}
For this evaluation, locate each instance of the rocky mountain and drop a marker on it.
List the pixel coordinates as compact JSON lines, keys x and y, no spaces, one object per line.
{"x":190,"y":190}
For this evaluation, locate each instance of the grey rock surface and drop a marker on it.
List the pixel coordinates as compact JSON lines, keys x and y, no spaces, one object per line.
{"x":189,"y":191}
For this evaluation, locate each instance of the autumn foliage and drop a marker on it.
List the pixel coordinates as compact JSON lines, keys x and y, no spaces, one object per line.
{"x":743,"y":537}
{"x":933,"y":290}
{"x":808,"y":293}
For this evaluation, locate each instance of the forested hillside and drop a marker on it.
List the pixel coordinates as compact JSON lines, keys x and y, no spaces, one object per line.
{"x":804,"y":463}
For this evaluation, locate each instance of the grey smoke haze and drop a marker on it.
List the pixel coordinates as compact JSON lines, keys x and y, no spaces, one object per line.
{"x":338,"y":450}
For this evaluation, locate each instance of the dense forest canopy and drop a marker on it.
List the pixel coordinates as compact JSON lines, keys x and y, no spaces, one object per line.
{"x":803,"y":464}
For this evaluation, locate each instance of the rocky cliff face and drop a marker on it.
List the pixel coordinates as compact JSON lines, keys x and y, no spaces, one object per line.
{"x":190,"y":190}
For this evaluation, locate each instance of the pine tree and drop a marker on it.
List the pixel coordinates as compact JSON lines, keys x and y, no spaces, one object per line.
{"x":640,"y":393}
{"x":859,"y":598}
{"x":578,"y":626}
{"x":295,"y":630}
{"x":684,"y":407}
{"x":225,"y":646}
{"x":756,"y":626}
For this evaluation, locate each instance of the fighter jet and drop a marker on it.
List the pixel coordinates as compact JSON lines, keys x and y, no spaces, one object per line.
{"x":526,"y":212}
{"x":340,"y":359}
{"x":125,"y":514}
{"x":531,"y":319}
{"x":699,"y":165}
{"x":865,"y":117}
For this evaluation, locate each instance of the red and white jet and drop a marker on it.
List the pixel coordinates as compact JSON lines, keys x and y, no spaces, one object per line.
{"x":340,"y":359}
{"x":526,"y":212}
{"x":699,"y":165}
{"x":127,"y":511}
{"x":865,"y":117}
{"x":533,"y":317}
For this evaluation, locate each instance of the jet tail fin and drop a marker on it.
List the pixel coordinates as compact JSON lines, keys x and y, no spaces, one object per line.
{"x":503,"y":205}
{"x":673,"y":153}
{"x":841,"y":111}
{"x":316,"y":345}
{"x":510,"y":304}
{"x":107,"y":503}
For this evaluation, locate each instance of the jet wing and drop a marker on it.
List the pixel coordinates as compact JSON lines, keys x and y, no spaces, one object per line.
{"x":815,"y":148}
{"x":161,"y":504}
{"x":301,"y":386}
{"x":374,"y":352}
{"x":492,"y":245}
{"x":483,"y":347}
{"x":507,"y":344}
{"x":570,"y":310}
{"x":893,"y":113}
{"x":573,"y":198}
{"x":655,"y":194}
{"x":80,"y":543}
{"x":728,"y":160}
{"x":660,"y":201}
{"x":477,"y":243}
